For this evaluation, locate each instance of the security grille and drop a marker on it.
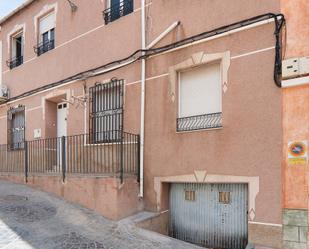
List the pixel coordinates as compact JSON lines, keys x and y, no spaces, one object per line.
{"x":16,"y":128}
{"x":106,"y":111}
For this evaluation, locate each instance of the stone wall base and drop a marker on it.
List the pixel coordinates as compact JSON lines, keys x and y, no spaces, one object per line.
{"x":265,"y":235}
{"x":105,"y":195}
{"x":295,"y":228}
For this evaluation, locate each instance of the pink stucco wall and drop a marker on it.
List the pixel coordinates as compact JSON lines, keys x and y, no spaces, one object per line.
{"x":104,"y":195}
{"x":250,"y":142}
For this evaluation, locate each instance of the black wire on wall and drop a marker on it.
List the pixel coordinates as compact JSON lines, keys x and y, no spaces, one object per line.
{"x":142,"y":54}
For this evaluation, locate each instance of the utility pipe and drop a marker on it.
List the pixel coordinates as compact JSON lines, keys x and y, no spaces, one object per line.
{"x":143,"y":81}
{"x":143,"y":88}
{"x":163,"y":34}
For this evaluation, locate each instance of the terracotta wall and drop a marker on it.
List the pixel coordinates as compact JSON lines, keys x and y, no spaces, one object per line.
{"x":295,"y":103}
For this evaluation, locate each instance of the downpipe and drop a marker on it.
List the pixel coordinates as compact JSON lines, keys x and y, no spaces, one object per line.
{"x":143,"y":81}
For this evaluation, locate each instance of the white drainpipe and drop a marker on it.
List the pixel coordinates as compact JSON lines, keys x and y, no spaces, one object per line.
{"x":143,"y":88}
{"x":143,"y":81}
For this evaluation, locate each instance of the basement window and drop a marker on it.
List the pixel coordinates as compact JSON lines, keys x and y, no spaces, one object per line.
{"x":225,"y":197}
{"x":190,"y":195}
{"x":16,"y":128}
{"x":200,"y":98}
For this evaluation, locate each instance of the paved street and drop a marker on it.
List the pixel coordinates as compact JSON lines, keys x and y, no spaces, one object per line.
{"x":33,"y":219}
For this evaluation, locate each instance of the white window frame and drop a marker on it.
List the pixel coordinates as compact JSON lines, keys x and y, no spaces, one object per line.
{"x":40,"y":33}
{"x":18,"y":34}
{"x":215,"y":119}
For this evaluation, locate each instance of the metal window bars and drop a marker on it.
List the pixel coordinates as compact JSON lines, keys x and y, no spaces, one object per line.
{"x":44,"y":47}
{"x":205,"y":121}
{"x":106,"y":111}
{"x":118,"y":10}
{"x":15,"y":62}
{"x":16,"y":128}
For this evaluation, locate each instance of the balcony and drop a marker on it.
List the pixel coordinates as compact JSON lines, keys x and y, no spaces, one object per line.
{"x":74,"y":155}
{"x":118,"y":10}
{"x":44,"y":47}
{"x":200,"y":122}
{"x":15,"y":62}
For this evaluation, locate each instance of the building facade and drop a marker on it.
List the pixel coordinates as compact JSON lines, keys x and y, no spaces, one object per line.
{"x":295,"y":128}
{"x":125,"y":106}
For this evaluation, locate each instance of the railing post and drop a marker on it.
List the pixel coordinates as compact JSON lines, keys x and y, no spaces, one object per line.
{"x":138,"y":158}
{"x":121,"y":157}
{"x":63,"y":157}
{"x":26,"y":161}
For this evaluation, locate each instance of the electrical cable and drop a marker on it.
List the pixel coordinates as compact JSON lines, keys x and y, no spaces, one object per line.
{"x":140,"y":53}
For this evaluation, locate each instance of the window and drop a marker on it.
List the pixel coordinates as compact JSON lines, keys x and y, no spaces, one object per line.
{"x":46,"y":33}
{"x":225,"y":197}
{"x":200,"y":98}
{"x":16,"y":51}
{"x":16,"y":128}
{"x":190,"y":195}
{"x":116,"y":9}
{"x":106,"y":112}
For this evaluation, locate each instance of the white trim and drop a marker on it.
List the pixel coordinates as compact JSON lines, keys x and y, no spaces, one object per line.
{"x":201,"y":176}
{"x":265,"y":224}
{"x":252,"y":53}
{"x":295,"y":82}
{"x":34,"y":108}
{"x":150,"y":78}
{"x":20,"y":28}
{"x":131,"y":83}
{"x":257,"y":24}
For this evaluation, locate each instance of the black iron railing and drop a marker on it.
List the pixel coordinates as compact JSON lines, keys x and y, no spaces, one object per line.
{"x":118,"y":10}
{"x":73,"y":155}
{"x":44,"y":47}
{"x":15,"y":62}
{"x":206,"y":121}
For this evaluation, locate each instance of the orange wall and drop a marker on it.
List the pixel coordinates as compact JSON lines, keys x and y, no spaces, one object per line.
{"x":297,"y":16}
{"x":295,"y":103}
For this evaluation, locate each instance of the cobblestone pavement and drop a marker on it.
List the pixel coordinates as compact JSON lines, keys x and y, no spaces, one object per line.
{"x":31,"y":219}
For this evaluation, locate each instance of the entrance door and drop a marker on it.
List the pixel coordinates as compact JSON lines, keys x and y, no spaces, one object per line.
{"x":61,"y":119}
{"x":61,"y":129}
{"x":210,"y":215}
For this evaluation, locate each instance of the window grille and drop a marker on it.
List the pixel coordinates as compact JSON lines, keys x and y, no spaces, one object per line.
{"x":225,"y":197}
{"x":190,"y":195}
{"x":16,"y":128}
{"x":106,"y":112}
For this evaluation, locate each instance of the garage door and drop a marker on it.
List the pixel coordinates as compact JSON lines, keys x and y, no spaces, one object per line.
{"x":210,"y":215}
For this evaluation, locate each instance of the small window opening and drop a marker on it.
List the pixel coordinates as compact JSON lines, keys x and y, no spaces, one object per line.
{"x":225,"y":197}
{"x":190,"y":195}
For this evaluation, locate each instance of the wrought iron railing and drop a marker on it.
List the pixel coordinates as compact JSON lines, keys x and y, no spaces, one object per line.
{"x":206,"y":121}
{"x":44,"y":47}
{"x":15,"y":62}
{"x":118,"y":10}
{"x":73,"y":155}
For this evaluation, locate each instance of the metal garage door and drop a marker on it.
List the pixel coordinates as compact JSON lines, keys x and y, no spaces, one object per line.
{"x":210,"y":215}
